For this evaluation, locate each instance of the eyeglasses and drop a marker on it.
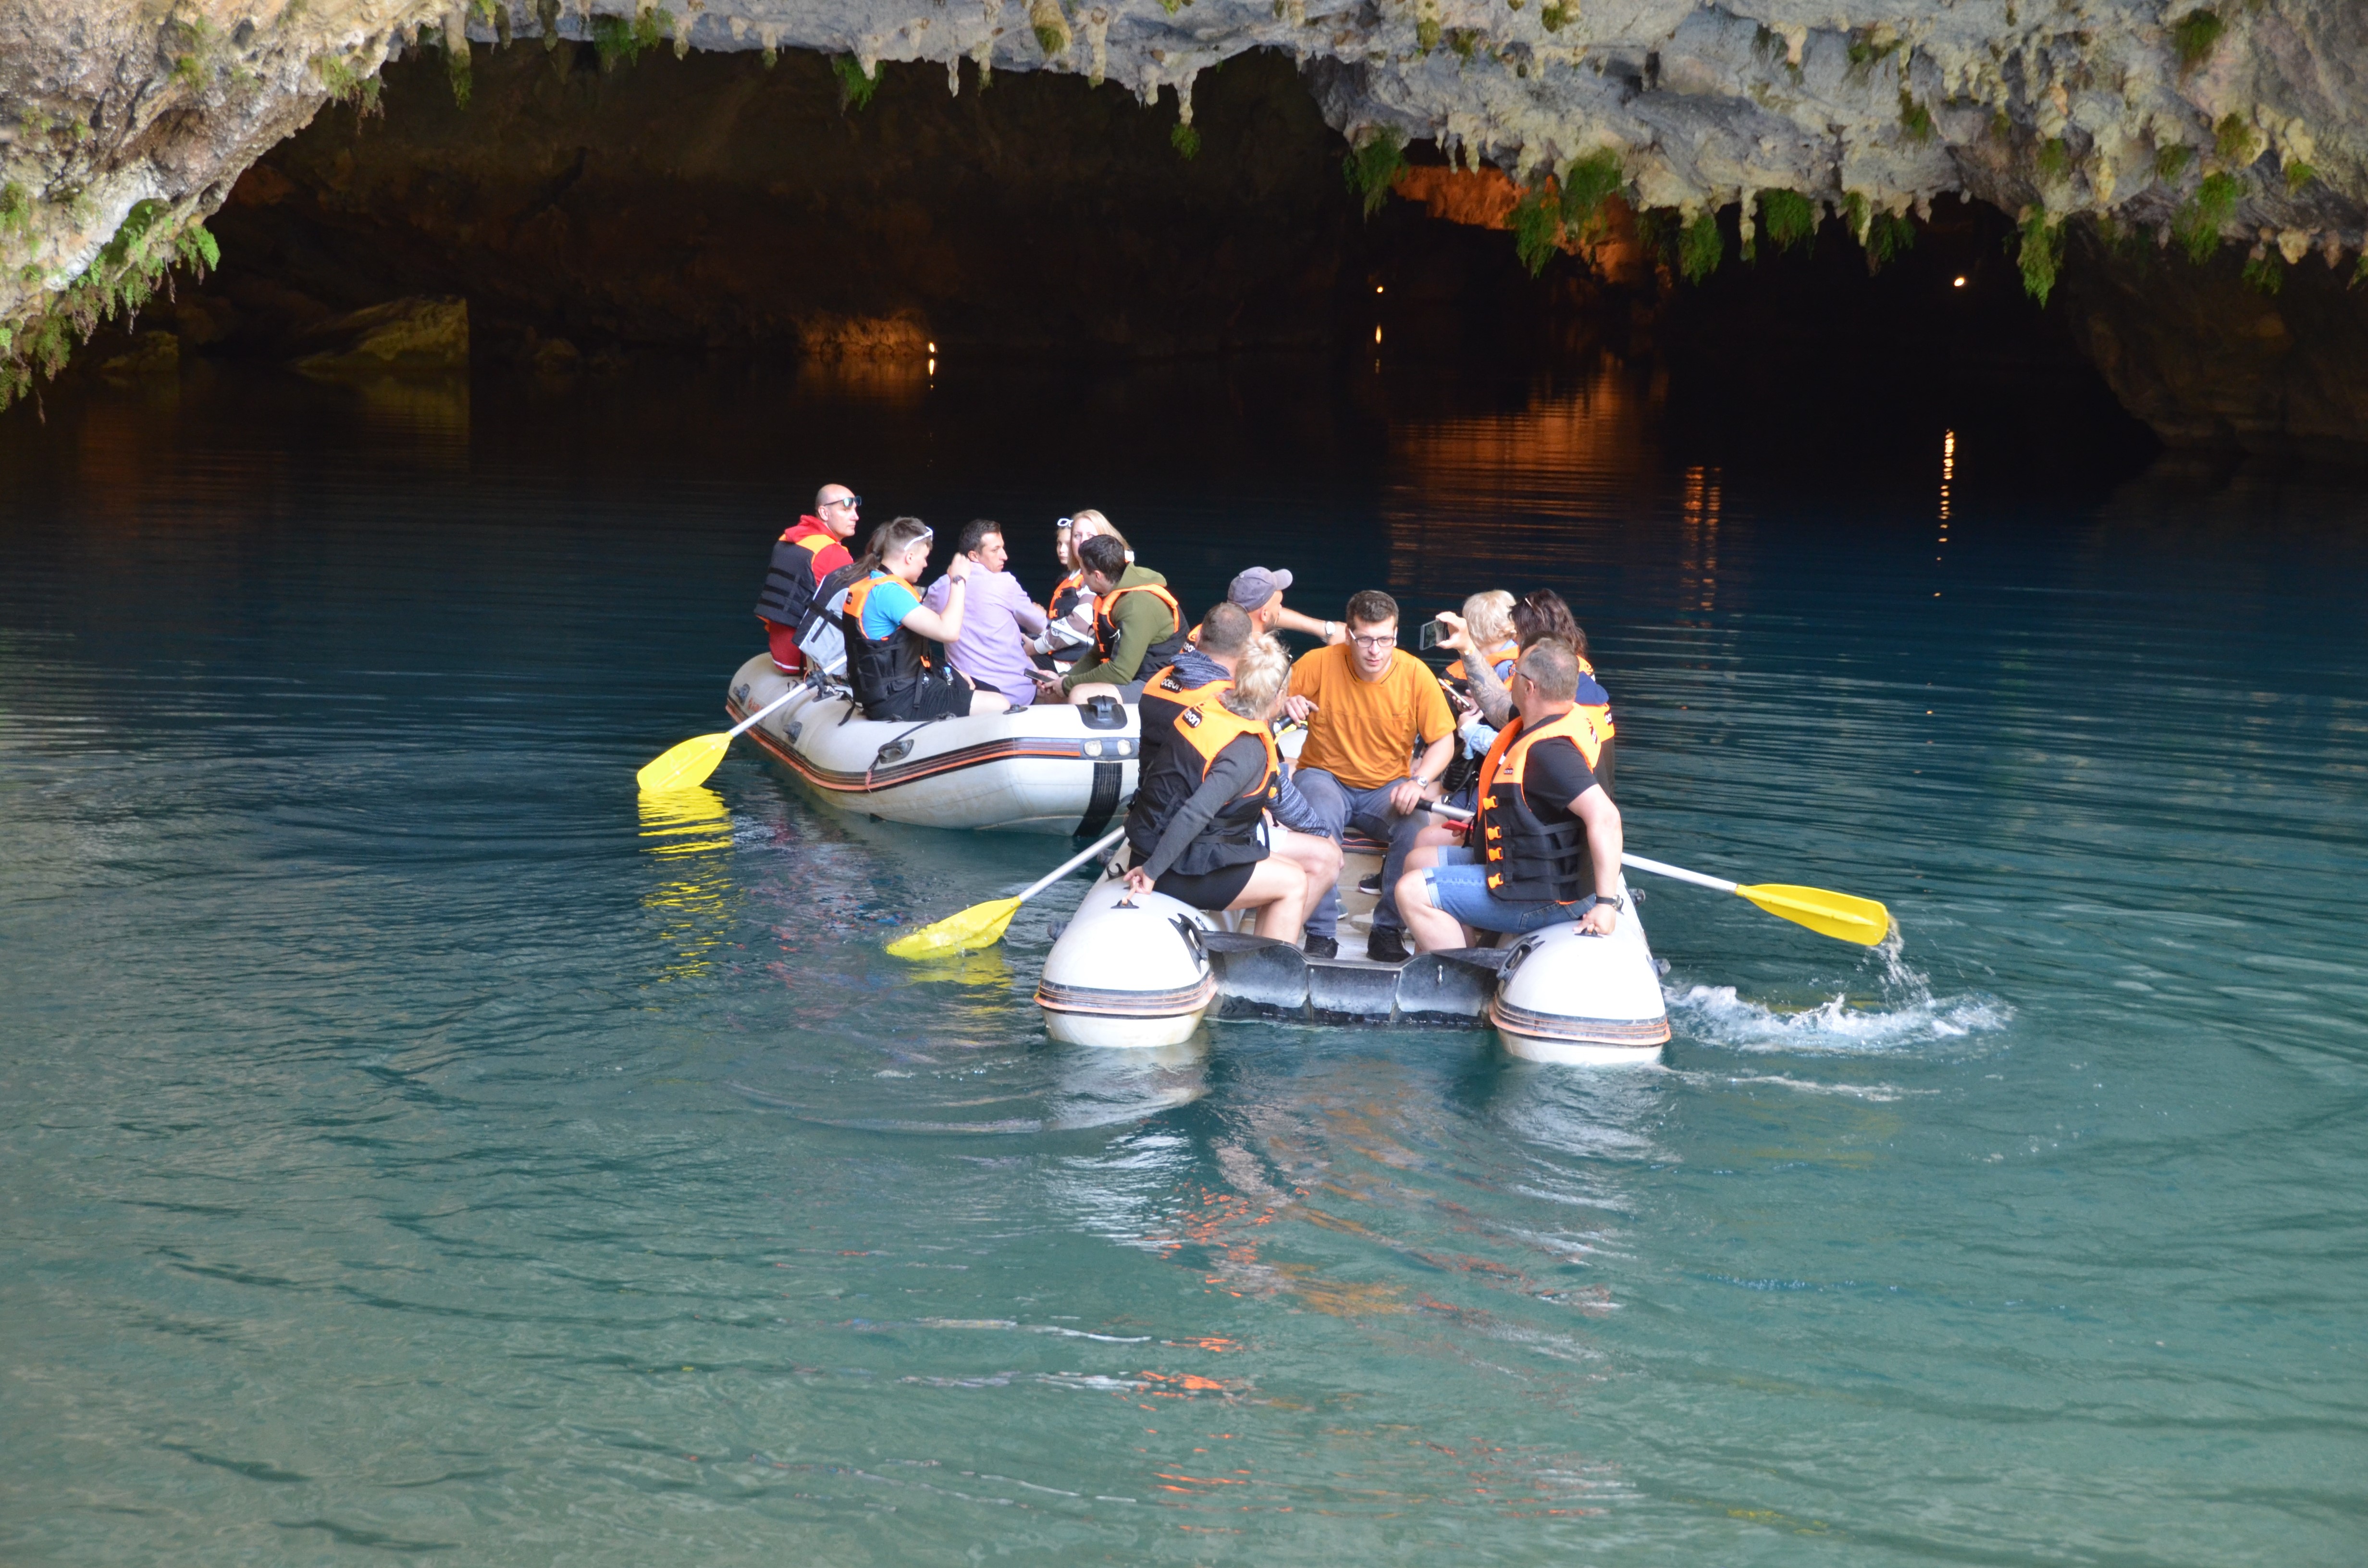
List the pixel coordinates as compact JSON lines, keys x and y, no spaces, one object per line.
{"x":1386,"y":640}
{"x":850,"y":502}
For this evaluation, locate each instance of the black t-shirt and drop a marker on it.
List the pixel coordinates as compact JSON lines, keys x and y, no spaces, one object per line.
{"x":1556,"y":774}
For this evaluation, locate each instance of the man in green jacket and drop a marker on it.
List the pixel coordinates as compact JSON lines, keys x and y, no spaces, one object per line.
{"x":1138,"y":627}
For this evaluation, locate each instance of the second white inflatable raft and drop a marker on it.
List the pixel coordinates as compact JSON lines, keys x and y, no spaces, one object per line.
{"x":1054,"y":768}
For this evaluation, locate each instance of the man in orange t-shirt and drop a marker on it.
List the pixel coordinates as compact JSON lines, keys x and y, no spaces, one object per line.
{"x":1367,"y":706}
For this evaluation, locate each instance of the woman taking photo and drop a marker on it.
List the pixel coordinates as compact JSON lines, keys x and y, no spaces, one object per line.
{"x":884,"y":623}
{"x":1194,"y":828}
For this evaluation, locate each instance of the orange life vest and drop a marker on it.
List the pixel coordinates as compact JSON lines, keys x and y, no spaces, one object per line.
{"x":1502,"y":651}
{"x":1530,"y":855}
{"x":877,"y":666}
{"x":1106,"y":627}
{"x":1170,"y":775}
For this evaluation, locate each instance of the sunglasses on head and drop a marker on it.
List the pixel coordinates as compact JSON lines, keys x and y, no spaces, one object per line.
{"x":1062,"y":524}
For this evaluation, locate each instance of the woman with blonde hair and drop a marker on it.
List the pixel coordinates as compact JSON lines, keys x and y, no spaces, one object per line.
{"x":1488,"y":623}
{"x":1197,"y":829}
{"x":1071,"y":607}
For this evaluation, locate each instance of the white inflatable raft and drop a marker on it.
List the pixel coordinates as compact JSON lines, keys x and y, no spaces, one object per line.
{"x":1129,"y":972}
{"x":1054,"y":768}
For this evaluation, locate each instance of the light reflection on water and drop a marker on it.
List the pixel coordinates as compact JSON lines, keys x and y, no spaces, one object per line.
{"x":412,"y":1144}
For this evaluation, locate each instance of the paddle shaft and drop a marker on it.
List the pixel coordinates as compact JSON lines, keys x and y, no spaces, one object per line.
{"x":1661,"y":868}
{"x":745,"y":725}
{"x":1636,"y":862}
{"x":1073,"y":862}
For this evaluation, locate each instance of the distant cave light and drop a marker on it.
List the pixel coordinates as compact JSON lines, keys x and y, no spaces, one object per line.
{"x":1948,"y":471}
{"x":1958,"y":284}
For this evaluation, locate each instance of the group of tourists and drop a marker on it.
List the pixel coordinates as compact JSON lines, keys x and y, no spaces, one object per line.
{"x":1219,"y":820}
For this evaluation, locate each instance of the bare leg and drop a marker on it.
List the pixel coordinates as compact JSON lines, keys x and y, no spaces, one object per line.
{"x":1434,"y":930}
{"x":985,"y":702}
{"x":1084,"y":694}
{"x":1426,"y":846}
{"x":1277,"y":891}
{"x":1312,"y":853}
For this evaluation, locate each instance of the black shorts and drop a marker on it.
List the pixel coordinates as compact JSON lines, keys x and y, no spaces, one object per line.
{"x":935,"y":698}
{"x":1207,"y":890}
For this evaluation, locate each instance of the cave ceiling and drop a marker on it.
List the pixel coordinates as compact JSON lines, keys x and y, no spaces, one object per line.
{"x":123,"y":126}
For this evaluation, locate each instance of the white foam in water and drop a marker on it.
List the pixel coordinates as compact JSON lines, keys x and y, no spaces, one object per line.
{"x":1909,"y":1015}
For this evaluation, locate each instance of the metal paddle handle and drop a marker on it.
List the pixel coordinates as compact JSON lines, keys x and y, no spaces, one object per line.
{"x":1073,"y":862}
{"x":750,"y":722}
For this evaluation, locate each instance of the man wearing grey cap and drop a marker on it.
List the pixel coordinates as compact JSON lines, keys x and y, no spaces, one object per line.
{"x":1258,"y":592}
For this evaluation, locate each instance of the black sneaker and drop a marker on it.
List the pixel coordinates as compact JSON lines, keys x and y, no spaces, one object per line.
{"x":1372,"y":885}
{"x":1321,"y":947}
{"x":1386,"y":947}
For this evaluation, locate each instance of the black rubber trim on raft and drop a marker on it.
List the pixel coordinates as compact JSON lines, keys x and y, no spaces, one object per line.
{"x":896,"y":775}
{"x":1104,"y":802}
{"x":1589,"y":1031}
{"x":1097,"y":1003}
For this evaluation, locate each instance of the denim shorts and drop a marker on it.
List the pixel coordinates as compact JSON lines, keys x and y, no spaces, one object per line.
{"x":1458,"y":886}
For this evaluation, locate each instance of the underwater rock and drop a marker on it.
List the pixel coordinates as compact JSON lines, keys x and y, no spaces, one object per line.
{"x":153,"y":355}
{"x":402,"y":335}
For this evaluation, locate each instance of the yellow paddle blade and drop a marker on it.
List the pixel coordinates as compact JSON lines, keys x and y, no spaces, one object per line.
{"x":1836,"y":914}
{"x":685,"y":765}
{"x":979,"y":926}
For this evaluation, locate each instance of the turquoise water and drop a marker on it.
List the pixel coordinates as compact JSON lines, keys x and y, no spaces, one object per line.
{"x":410,"y":1150}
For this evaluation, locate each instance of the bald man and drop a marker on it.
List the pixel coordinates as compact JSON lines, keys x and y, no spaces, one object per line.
{"x":803,"y":557}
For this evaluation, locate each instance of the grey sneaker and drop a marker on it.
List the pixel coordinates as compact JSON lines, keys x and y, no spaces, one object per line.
{"x":1321,"y":947}
{"x":1386,"y":947}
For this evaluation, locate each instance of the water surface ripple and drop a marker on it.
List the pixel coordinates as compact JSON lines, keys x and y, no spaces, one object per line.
{"x":414,"y":1147}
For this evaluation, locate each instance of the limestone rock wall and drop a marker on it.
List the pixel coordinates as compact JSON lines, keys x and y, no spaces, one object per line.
{"x":2244,"y":120}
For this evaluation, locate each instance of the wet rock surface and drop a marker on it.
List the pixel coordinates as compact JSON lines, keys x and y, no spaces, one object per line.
{"x":711,"y":203}
{"x":402,"y":335}
{"x":2242,"y":121}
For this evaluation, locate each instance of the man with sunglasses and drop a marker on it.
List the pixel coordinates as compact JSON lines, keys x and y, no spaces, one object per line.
{"x":803,"y":557}
{"x":1367,"y":704}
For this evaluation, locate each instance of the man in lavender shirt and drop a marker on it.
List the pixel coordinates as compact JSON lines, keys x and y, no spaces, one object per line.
{"x":991,"y":650}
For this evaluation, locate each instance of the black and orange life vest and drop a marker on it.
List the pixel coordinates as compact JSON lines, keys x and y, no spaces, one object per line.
{"x":1202,"y":727}
{"x":878,"y":667}
{"x":796,"y":569}
{"x":1535,"y":849}
{"x":1165,"y":693}
{"x":1066,"y":593}
{"x":1503,"y":650}
{"x":1106,"y":628}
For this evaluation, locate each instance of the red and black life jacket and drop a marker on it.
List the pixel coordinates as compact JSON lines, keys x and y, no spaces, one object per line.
{"x":796,"y":570}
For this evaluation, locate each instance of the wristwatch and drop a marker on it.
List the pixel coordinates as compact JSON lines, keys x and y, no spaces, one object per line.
{"x":1617,"y":901}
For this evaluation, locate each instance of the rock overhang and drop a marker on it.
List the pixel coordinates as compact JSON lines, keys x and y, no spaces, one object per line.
{"x":2248,"y":125}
